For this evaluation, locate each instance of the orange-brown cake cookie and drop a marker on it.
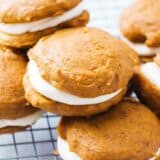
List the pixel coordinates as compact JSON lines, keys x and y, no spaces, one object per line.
{"x":146,"y":83}
{"x":23,"y":22}
{"x":146,"y":59}
{"x":128,"y":131}
{"x":15,"y":112}
{"x":140,"y":27}
{"x":78,"y":72}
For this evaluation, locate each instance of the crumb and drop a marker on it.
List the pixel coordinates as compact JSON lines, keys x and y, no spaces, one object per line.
{"x":55,"y":152}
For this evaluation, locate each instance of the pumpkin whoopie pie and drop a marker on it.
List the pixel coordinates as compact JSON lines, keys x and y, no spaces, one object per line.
{"x":128,"y":131}
{"x":146,"y":83}
{"x":23,"y":22}
{"x":78,"y":72}
{"x":140,"y":27}
{"x":15,"y":112}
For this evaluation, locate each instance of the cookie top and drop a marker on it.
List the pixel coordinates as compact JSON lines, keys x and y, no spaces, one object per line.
{"x":19,"y":11}
{"x":140,"y":22}
{"x":128,"y":131}
{"x":12,"y":69}
{"x":86,"y":62}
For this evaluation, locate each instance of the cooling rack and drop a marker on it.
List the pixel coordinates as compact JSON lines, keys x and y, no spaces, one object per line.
{"x":39,"y":142}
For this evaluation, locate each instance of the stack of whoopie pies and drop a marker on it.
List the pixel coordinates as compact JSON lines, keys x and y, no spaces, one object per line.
{"x":82,"y":74}
{"x":22,"y":24}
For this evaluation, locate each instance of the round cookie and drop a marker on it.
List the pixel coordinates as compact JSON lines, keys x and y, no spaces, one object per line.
{"x":129,"y":130}
{"x":18,"y":11}
{"x":14,"y":109}
{"x":81,"y":71}
{"x":139,"y":25}
{"x":23,"y":23}
{"x":146,"y":84}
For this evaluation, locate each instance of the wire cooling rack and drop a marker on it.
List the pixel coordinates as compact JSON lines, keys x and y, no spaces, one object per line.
{"x":39,"y":142}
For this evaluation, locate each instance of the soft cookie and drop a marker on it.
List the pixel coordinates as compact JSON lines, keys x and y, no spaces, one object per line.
{"x":15,"y":112}
{"x":78,"y":72}
{"x":23,"y":22}
{"x":140,"y":27}
{"x":146,"y":83}
{"x":128,"y":131}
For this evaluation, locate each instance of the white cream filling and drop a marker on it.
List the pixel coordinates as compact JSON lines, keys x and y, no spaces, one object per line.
{"x":24,"y":121}
{"x":152,"y":72}
{"x":141,"y":48}
{"x":51,"y":92}
{"x":64,"y":151}
{"x":157,"y":155}
{"x":20,"y":28}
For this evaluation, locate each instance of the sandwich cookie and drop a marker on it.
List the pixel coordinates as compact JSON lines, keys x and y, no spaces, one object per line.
{"x":146,"y":83}
{"x":128,"y":130}
{"x":15,"y":112}
{"x":78,"y":72}
{"x":140,"y":27}
{"x":23,"y":22}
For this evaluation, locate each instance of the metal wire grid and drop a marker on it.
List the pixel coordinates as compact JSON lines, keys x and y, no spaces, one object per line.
{"x":39,"y":142}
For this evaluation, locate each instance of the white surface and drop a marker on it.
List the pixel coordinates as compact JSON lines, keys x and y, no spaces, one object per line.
{"x":151,"y":71}
{"x":51,"y":92}
{"x":105,"y":14}
{"x":20,"y":28}
{"x":25,"y":121}
{"x":64,"y":151}
{"x":141,"y":48}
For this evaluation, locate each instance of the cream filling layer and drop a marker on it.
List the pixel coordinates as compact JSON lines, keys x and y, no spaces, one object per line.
{"x":141,"y":48}
{"x":51,"y":92}
{"x":64,"y":151}
{"x":21,"y":122}
{"x":152,"y":72}
{"x":21,"y":28}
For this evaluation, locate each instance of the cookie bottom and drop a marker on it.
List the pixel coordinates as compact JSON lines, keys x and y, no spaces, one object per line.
{"x":9,"y":130}
{"x":39,"y":101}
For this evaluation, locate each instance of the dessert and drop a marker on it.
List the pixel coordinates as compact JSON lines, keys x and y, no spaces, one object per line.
{"x":78,"y":72}
{"x":129,"y":130}
{"x":140,"y":25}
{"x":15,"y":112}
{"x":23,"y":22}
{"x":146,"y":84}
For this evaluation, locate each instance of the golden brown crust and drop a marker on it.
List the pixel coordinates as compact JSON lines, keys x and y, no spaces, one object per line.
{"x":86,"y":62}
{"x":14,"y":111}
{"x":12,"y":100}
{"x":145,"y":59}
{"x":140,"y":22}
{"x":19,"y":11}
{"x":45,"y":104}
{"x":128,"y":131}
{"x":8,"y":130}
{"x":135,"y":58}
{"x":147,"y":92}
{"x":29,"y":39}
